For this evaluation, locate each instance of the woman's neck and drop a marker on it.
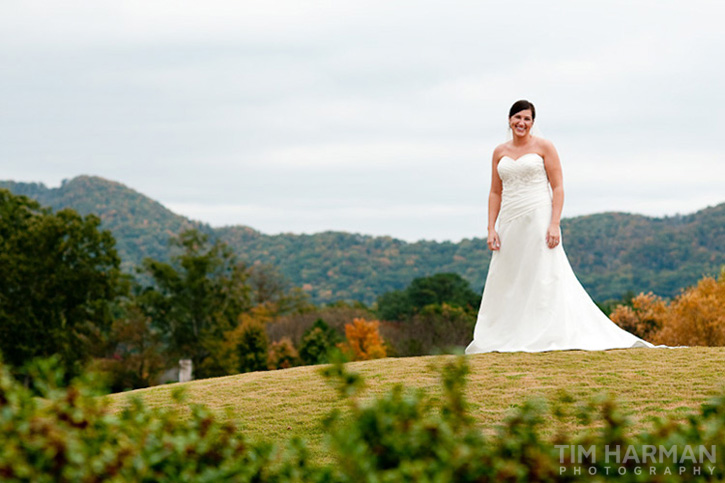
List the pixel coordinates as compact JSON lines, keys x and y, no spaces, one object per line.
{"x":522,"y":141}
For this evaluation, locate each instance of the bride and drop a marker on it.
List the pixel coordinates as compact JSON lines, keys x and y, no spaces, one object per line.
{"x":532,"y":301}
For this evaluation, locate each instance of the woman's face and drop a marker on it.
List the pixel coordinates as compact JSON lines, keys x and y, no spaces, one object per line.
{"x":521,"y":122}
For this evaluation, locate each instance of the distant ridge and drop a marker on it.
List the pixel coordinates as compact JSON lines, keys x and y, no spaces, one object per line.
{"x":612,"y":253}
{"x":140,"y":225}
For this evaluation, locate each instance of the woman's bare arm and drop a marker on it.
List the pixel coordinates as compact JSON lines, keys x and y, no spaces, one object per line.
{"x":494,"y":202}
{"x":552,"y":163}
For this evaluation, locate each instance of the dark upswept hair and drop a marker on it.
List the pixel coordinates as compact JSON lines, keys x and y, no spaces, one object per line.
{"x":522,"y":105}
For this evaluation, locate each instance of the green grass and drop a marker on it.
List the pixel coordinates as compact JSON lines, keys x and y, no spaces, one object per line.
{"x":647,"y":383}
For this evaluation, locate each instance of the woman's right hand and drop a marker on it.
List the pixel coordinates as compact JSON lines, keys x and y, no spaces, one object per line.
{"x":494,"y":243}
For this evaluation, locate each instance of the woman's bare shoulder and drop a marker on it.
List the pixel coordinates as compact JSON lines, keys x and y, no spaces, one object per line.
{"x":545,"y":146}
{"x":544,"y":143}
{"x":501,"y":149}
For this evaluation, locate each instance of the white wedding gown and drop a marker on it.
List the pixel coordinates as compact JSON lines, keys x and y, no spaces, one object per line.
{"x":532,"y":301}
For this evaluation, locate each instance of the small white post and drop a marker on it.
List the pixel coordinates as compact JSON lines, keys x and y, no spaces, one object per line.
{"x":185,"y":370}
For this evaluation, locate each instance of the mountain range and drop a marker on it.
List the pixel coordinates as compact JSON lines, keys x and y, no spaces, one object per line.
{"x":611,"y":253}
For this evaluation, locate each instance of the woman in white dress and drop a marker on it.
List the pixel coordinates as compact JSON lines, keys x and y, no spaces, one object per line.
{"x":532,"y":301}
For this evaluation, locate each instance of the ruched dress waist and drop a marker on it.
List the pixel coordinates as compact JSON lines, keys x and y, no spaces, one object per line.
{"x":525,"y":186}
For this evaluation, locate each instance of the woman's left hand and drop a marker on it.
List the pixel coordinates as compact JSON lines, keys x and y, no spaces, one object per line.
{"x":553,"y":236}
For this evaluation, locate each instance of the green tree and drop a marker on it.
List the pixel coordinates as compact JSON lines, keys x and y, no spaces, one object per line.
{"x":317,"y":341}
{"x":252,"y":348}
{"x":59,"y":274}
{"x":196,"y":298}
{"x":394,"y":305}
{"x":438,"y":289}
{"x":449,"y":288}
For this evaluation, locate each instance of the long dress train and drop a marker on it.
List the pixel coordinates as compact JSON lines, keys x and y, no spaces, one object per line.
{"x":532,"y":301}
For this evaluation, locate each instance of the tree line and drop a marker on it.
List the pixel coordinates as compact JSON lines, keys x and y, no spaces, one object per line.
{"x":63,"y":294}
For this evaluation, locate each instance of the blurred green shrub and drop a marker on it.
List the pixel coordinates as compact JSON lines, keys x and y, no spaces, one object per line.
{"x":68,"y":435}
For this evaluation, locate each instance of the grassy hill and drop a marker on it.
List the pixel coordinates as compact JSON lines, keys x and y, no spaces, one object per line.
{"x":648,"y":383}
{"x":612,"y":253}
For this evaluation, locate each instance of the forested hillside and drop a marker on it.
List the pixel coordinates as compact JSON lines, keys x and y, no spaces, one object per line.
{"x":616,"y":252}
{"x":612,"y":253}
{"x":140,"y":225}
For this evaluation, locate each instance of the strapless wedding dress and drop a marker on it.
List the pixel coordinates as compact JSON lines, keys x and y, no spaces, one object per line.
{"x":532,"y":301}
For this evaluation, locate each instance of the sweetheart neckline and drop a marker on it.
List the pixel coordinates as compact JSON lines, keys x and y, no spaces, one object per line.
{"x":514,"y":160}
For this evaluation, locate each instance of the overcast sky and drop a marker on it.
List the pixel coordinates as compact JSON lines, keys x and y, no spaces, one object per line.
{"x":373,"y":117}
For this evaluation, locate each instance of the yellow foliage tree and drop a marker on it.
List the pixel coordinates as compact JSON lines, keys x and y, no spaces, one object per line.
{"x":245,"y":347}
{"x":644,"y":318}
{"x":282,"y":354}
{"x":697,"y":316}
{"x":364,"y":341}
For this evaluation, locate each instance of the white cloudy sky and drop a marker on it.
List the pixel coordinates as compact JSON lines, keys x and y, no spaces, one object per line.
{"x":375,"y":117}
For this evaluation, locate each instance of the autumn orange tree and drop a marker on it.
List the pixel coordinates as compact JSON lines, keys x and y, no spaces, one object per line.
{"x":363,"y":340}
{"x":696,"y":317}
{"x":644,"y":317}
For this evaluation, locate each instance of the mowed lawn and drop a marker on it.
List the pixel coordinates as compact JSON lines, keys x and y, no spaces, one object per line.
{"x":647,"y":383}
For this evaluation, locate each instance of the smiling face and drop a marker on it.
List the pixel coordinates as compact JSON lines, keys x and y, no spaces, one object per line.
{"x":521,"y":123}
